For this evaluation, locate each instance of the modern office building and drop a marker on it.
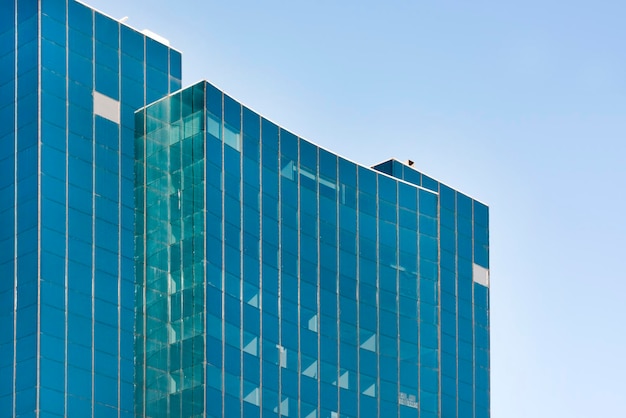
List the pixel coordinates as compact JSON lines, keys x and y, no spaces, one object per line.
{"x":171,"y":253}
{"x":279,"y":279}
{"x":70,"y":81}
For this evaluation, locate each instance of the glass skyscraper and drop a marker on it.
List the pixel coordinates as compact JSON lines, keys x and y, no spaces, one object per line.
{"x":70,"y":81}
{"x":171,"y":253}
{"x":279,"y":279}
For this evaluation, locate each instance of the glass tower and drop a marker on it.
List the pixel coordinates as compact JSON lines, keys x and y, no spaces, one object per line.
{"x":463,"y":294}
{"x":70,"y":81}
{"x":276,"y":278}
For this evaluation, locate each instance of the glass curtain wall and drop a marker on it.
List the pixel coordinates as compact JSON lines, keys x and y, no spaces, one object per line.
{"x":464,"y":295}
{"x":71,"y":79}
{"x":170,"y":229}
{"x":321,"y":278}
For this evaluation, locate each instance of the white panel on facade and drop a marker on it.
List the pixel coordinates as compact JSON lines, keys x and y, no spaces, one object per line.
{"x":344,"y":380}
{"x":106,"y":107}
{"x":311,"y":371}
{"x":313,"y":323}
{"x":371,"y":391}
{"x":253,"y":397}
{"x":481,"y":275}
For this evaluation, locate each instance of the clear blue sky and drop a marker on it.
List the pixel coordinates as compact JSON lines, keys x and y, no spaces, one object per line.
{"x":520,"y":104}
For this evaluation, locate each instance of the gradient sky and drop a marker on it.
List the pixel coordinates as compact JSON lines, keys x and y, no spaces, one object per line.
{"x":520,"y":104}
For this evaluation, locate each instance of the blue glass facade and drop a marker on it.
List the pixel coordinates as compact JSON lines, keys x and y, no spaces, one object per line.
{"x":464,"y":295}
{"x":278,"y":279}
{"x":194,"y":259}
{"x":70,"y":81}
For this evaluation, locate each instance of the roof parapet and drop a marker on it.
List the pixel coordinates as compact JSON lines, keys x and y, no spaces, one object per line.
{"x":156,"y":37}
